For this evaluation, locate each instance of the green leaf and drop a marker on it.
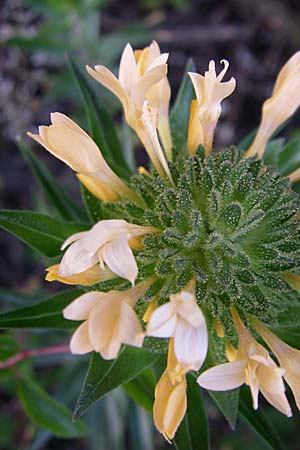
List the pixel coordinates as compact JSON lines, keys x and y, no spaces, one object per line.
{"x":45,"y":314}
{"x":57,"y":195}
{"x":181,"y":110}
{"x":289,"y":159}
{"x":101,"y":125}
{"x":103,"y":376}
{"x":228,"y":403}
{"x":259,"y":421}
{"x":193,"y":433}
{"x":8,"y":347}
{"x":46,"y":411}
{"x":247,"y":140}
{"x":43,"y":233}
{"x":141,"y":389}
{"x":272,"y":152}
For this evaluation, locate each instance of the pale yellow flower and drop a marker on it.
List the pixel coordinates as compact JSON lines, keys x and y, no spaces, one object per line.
{"x":210,"y":91}
{"x":288,"y":357}
{"x":182,"y":319}
{"x":195,"y":132}
{"x":159,"y":94}
{"x":132,"y":87}
{"x":170,"y":397}
{"x":252,"y":366}
{"x":282,"y":104}
{"x":109,"y":242}
{"x":109,"y":322}
{"x":69,"y":143}
{"x":93,"y":275}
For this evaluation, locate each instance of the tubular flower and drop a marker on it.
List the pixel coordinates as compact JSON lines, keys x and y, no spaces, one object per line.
{"x":280,"y":106}
{"x":159,"y":94}
{"x":135,"y":81}
{"x":170,"y":397}
{"x":109,"y":242}
{"x":252,"y":366}
{"x":182,"y":319}
{"x":69,"y":143}
{"x":109,"y":322}
{"x":210,"y":91}
{"x":288,"y":357}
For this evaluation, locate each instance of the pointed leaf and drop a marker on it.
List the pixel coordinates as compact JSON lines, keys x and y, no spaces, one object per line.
{"x":141,"y":389}
{"x":101,"y":125}
{"x":46,"y":411}
{"x":193,"y":433}
{"x":39,"y":231}
{"x":44,"y":314}
{"x":259,"y":421}
{"x":57,"y":195}
{"x":105,"y":375}
{"x":181,"y":110}
{"x":289,"y":159}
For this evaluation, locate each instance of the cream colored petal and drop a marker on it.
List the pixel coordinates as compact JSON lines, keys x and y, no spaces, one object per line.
{"x":77,"y":259}
{"x":223,"y":377}
{"x":170,"y":405}
{"x":253,"y":382}
{"x":163,"y":321}
{"x":195,"y":132}
{"x":198,"y":83}
{"x":89,"y":277}
{"x":188,"y":309}
{"x":287,"y":70}
{"x":120,"y":259}
{"x":80,"y":343}
{"x":73,"y":238}
{"x":190,"y":344}
{"x":175,"y":410}
{"x":130,"y":329}
{"x":110,"y":81}
{"x":145,"y":82}
{"x":99,"y":188}
{"x":272,"y":388}
{"x":158,"y":61}
{"x":80,"y":308}
{"x":103,"y":326}
{"x":128,"y":72}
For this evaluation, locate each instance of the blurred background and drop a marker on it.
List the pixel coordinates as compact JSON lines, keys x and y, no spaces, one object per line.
{"x":256,"y":36}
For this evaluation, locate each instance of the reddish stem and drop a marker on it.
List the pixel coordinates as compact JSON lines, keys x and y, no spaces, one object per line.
{"x":26,"y":354}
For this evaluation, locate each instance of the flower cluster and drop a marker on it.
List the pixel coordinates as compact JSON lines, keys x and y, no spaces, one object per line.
{"x":202,"y":238}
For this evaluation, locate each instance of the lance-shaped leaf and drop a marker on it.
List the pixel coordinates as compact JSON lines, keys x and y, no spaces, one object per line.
{"x":46,"y":411}
{"x":181,"y":110}
{"x":39,"y":231}
{"x":141,"y":389}
{"x":105,"y":375}
{"x":44,"y":314}
{"x":101,"y":125}
{"x":259,"y":421}
{"x":289,"y":159}
{"x":193,"y":433}
{"x":57,"y":195}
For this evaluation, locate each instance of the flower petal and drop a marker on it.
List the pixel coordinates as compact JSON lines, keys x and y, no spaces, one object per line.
{"x":190,"y":344}
{"x":224,"y":376}
{"x":163,"y":321}
{"x":77,"y":259}
{"x":120,"y":259}
{"x":130,"y":329}
{"x":80,"y":342}
{"x":80,"y":308}
{"x":128,"y":72}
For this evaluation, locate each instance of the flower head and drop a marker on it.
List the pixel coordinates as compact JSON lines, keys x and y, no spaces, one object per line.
{"x":109,"y":322}
{"x":69,"y":143}
{"x":108,"y":242}
{"x":280,"y":106}
{"x":252,"y":366}
{"x":210,"y":91}
{"x":182,"y":319}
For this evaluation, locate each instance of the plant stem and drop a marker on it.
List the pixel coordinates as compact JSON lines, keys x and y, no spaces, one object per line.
{"x":26,"y":354}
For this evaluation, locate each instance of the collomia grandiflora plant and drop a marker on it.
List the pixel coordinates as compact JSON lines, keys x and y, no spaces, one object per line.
{"x":196,"y":256}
